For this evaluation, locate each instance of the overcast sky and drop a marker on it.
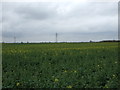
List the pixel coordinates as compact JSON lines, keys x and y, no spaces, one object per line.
{"x":73,"y":21}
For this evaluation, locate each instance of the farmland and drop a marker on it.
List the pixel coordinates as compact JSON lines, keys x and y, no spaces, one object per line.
{"x":60,"y":65}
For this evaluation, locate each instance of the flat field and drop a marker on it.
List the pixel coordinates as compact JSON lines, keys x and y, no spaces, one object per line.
{"x":60,"y":65}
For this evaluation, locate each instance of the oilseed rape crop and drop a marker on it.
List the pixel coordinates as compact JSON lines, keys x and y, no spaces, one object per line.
{"x":60,"y":65}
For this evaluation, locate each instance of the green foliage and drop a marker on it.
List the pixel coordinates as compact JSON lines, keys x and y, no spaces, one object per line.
{"x":60,"y":65}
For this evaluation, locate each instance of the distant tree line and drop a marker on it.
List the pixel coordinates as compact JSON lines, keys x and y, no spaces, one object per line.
{"x":69,"y":41}
{"x":110,"y":41}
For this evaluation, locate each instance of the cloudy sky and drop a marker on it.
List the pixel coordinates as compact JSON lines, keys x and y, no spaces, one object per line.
{"x":73,"y":21}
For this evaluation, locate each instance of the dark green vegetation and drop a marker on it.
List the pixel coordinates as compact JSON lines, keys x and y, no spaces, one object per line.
{"x":62,"y":65}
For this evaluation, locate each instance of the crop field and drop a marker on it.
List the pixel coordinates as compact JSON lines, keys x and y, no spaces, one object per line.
{"x":60,"y":65}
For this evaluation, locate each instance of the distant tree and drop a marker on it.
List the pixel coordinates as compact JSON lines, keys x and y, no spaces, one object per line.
{"x":90,"y":40}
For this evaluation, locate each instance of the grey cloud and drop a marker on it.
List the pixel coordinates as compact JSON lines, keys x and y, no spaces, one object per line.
{"x":0,"y":13}
{"x":8,"y":34}
{"x":94,"y":36}
{"x":72,"y":21}
{"x":96,"y":9}
{"x":36,"y":12}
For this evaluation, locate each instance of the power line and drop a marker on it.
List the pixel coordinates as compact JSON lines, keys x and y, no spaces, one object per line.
{"x":56,"y":37}
{"x":14,"y":38}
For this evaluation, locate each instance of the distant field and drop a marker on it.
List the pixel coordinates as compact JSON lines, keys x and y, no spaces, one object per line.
{"x":61,"y":65}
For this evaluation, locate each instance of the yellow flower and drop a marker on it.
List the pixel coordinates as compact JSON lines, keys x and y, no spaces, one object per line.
{"x":106,"y":86}
{"x":113,"y":75}
{"x":75,"y":71}
{"x":69,"y":86}
{"x":65,"y":71}
{"x":17,"y":84}
{"x":116,"y":62}
{"x":56,"y":80}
